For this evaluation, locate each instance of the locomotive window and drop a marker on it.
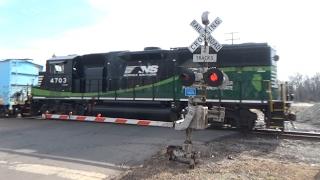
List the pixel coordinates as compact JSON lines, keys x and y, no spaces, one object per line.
{"x":57,"y":68}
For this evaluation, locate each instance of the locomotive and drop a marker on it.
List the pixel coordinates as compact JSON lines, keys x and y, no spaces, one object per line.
{"x":150,"y":84}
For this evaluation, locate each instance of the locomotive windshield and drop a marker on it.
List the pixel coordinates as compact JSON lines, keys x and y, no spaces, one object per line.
{"x":57,"y":67}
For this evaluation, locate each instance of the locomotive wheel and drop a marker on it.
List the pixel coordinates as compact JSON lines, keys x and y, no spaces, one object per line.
{"x":43,"y":109}
{"x":247,"y":120}
{"x":80,"y":109}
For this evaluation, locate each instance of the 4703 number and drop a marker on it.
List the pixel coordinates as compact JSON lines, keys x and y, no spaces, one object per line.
{"x":58,"y":80}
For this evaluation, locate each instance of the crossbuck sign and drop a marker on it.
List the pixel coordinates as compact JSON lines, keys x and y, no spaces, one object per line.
{"x":205,"y":34}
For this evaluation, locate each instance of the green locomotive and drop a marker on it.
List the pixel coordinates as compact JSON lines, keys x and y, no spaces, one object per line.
{"x":147,"y":85}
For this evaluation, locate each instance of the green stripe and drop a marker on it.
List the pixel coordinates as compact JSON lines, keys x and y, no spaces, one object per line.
{"x":42,"y":92}
{"x":247,"y":68}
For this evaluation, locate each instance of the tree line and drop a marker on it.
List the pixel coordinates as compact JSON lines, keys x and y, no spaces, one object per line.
{"x":305,"y":88}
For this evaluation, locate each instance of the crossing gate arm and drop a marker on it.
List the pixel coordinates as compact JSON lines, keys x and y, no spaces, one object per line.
{"x":108,"y":120}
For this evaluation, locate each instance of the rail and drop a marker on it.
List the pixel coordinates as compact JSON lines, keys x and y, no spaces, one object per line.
{"x":288,"y":134}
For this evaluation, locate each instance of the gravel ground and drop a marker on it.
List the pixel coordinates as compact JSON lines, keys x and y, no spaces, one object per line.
{"x":246,"y":156}
{"x":298,"y":107}
{"x":239,"y":157}
{"x":307,"y":113}
{"x":308,"y":117}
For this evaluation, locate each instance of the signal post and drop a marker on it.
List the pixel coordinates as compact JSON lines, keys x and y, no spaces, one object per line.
{"x":197,"y":114}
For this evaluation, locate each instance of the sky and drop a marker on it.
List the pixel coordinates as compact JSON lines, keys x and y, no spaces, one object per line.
{"x":37,"y":29}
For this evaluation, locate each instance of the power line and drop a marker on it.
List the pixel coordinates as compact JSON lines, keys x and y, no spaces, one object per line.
{"x":232,"y":37}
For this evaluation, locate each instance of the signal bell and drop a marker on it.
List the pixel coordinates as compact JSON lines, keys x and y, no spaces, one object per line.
{"x":213,"y":77}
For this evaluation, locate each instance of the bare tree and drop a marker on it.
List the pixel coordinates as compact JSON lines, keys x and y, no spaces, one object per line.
{"x":306,"y":88}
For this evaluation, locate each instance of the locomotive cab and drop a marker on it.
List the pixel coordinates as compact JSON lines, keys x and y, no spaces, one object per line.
{"x":58,"y":76}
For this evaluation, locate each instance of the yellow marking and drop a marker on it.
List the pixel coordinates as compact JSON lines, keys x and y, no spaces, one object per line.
{"x":58,"y":171}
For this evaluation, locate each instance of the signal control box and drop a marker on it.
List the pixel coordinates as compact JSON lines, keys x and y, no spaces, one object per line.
{"x":196,"y":117}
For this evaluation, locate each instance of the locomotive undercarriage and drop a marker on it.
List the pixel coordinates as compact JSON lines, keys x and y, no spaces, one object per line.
{"x":236,"y":115}
{"x":155,"y":110}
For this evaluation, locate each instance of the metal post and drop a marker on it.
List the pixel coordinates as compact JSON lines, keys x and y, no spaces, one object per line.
{"x":197,"y":113}
{"x":188,"y":136}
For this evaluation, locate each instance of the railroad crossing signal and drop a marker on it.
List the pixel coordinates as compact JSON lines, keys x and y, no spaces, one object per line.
{"x":205,"y":35}
{"x":206,"y":76}
{"x":197,"y":113}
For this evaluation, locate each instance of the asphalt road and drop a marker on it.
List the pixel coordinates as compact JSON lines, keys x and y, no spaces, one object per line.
{"x":47,"y":149}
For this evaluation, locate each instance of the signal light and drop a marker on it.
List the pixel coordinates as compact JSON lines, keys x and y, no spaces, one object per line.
{"x":187,"y":77}
{"x":213,"y":77}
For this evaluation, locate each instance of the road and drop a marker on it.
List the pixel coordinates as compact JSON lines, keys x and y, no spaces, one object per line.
{"x":48,"y":149}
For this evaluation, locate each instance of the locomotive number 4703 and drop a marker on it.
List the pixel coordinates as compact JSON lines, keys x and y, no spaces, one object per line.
{"x":59,"y":80}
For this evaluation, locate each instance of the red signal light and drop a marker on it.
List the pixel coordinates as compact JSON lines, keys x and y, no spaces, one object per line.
{"x":213,"y":77}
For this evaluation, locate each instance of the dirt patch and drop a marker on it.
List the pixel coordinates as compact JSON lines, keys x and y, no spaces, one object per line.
{"x":244,"y":157}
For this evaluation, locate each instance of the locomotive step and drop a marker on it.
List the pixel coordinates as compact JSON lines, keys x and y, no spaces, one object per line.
{"x":278,"y":118}
{"x":278,"y":110}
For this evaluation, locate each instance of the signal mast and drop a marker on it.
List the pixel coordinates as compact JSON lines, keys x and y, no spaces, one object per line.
{"x":196,"y":117}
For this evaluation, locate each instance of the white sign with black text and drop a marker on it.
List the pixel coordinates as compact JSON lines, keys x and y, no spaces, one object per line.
{"x":204,"y":56}
{"x":205,"y":34}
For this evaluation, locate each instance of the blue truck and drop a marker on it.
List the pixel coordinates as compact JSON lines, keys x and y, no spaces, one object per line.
{"x":16,"y":78}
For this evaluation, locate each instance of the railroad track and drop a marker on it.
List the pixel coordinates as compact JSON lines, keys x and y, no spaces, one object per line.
{"x":287,"y":134}
{"x":263,"y":132}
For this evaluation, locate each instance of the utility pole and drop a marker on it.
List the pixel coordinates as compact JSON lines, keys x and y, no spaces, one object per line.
{"x":232,"y":37}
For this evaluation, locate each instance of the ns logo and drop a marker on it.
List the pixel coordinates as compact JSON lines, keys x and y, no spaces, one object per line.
{"x":141,"y":70}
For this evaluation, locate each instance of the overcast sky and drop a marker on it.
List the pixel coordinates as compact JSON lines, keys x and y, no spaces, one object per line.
{"x":38,"y":29}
